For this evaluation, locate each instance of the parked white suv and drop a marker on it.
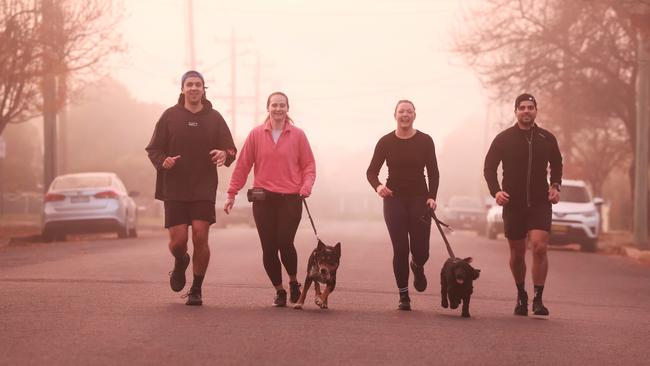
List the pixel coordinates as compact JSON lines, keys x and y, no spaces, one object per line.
{"x":575,"y":219}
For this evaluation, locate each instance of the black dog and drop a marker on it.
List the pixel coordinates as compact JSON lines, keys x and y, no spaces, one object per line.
{"x":456,"y":278}
{"x":321,"y":267}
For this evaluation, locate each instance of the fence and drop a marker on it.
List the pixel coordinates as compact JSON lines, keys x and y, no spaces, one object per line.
{"x":21,"y":203}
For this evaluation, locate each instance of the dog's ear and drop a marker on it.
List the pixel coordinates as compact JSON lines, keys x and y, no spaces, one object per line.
{"x":468,"y":259}
{"x":321,"y":245}
{"x":477,"y":272}
{"x":337,"y":249}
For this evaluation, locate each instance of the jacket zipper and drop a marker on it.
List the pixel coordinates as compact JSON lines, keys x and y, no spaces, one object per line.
{"x":530,"y":166}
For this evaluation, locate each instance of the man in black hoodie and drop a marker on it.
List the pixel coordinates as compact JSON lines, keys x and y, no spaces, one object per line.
{"x":526,"y":151}
{"x":190,"y":140}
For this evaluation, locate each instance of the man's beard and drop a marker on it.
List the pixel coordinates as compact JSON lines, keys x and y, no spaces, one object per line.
{"x":528,"y":123}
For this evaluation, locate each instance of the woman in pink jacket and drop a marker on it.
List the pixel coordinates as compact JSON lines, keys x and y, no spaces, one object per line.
{"x":285,"y":172}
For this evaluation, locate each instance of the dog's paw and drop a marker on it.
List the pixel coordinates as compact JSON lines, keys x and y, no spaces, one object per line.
{"x":444,"y":304}
{"x":318,"y":301}
{"x":298,"y":306}
{"x":324,"y":306}
{"x":465,"y":315}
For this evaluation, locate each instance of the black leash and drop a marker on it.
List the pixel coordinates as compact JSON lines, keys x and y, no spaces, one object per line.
{"x":304,"y":201}
{"x":440,"y":224}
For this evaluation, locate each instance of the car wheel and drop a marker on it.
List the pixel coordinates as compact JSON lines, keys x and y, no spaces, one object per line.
{"x":491,"y":233}
{"x":589,"y":245}
{"x":123,"y":232}
{"x":47,"y":236}
{"x":481,"y":230}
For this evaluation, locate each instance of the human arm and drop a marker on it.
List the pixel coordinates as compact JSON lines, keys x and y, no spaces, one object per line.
{"x":156,"y":149}
{"x":372,"y":173}
{"x":307,"y":166}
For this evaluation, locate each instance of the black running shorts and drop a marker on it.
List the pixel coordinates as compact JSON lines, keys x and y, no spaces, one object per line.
{"x":517,"y":221}
{"x":183,"y":212}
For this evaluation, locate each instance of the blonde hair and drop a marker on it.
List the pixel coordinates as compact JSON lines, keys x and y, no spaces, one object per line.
{"x":402,"y":101}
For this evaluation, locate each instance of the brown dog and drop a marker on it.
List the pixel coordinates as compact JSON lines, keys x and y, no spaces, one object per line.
{"x":321,"y":268}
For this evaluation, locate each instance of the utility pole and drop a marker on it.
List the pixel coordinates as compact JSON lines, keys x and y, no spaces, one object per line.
{"x":641,"y":18}
{"x":258,"y":87}
{"x":233,"y":82}
{"x":190,"y":35}
{"x":49,"y":95}
{"x":233,"y":97}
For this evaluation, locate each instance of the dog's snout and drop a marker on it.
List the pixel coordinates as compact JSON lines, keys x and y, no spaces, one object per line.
{"x":323,"y":271}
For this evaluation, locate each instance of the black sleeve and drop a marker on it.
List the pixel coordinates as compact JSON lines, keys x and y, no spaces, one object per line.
{"x":433,"y":175}
{"x":157,"y":145}
{"x":555,"y":161}
{"x":492,"y":161}
{"x":378,"y":158}
{"x":225,"y":142}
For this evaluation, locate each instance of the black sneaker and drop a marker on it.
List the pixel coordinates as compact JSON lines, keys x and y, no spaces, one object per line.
{"x":280,"y":299}
{"x":404,"y":302}
{"x":177,"y":276}
{"x":193,"y":297}
{"x":419,"y":279}
{"x":539,"y":308}
{"x":294,"y":292}
{"x":522,"y":305}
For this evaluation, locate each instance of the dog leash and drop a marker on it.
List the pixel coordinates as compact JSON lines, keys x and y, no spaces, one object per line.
{"x":440,"y":224}
{"x":304,"y":201}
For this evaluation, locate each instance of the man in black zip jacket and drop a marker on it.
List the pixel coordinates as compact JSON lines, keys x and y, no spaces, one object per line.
{"x":526,"y":151}
{"x":190,"y":140}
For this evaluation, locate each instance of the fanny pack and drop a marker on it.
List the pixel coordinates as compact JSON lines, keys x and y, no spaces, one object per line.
{"x":256,"y":194}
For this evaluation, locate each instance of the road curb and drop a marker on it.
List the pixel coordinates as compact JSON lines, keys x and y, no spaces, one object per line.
{"x":634,"y":253}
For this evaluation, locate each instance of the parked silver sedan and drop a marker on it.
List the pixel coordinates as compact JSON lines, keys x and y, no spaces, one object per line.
{"x":88,"y":202}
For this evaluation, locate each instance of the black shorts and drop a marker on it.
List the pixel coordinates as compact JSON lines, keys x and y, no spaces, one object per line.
{"x":183,"y":212}
{"x":517,"y":221}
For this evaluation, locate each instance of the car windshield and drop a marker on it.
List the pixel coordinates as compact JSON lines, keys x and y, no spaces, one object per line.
{"x":574,"y":194}
{"x":464,"y":202}
{"x":88,"y":181}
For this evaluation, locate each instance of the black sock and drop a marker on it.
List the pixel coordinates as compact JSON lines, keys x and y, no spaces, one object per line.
{"x":521,"y":289}
{"x":198,"y":281}
{"x":538,"y":291}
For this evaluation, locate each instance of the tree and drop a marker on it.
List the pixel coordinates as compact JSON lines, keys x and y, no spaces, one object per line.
{"x":67,"y":39}
{"x":578,"y":57}
{"x":19,"y":61}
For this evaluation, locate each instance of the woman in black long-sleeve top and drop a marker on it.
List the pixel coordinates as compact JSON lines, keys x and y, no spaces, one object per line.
{"x":407,"y":197}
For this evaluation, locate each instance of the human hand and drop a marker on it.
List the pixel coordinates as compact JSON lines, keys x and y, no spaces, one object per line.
{"x":432,"y":204}
{"x":218,"y":157}
{"x":227,"y":206}
{"x":553,"y":195}
{"x":383,"y":191}
{"x":170,"y":161}
{"x":502,"y":198}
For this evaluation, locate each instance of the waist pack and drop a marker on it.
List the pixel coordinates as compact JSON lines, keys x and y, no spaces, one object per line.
{"x":256,"y":194}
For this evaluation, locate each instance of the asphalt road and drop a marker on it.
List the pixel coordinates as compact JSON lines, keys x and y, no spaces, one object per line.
{"x":104,"y":301}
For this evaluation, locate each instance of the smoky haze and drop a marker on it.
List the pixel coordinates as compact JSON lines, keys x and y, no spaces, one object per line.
{"x":343,"y":64}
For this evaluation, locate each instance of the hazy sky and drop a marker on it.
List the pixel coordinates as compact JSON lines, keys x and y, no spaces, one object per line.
{"x":343,"y":64}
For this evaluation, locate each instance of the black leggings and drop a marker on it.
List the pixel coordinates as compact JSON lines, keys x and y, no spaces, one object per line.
{"x":277,"y":219}
{"x":409,"y":226}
